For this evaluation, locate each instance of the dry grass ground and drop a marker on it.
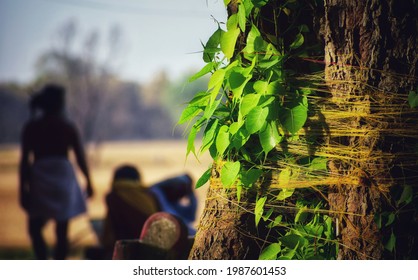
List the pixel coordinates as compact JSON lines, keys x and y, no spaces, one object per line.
{"x":156,"y":160}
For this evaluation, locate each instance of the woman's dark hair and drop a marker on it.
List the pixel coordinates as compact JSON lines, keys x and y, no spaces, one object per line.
{"x":50,"y":100}
{"x":127,"y":172}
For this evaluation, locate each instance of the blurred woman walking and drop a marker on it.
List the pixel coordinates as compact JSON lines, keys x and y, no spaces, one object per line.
{"x":48,"y":184}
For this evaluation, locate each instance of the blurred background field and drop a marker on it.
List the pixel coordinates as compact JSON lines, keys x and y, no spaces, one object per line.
{"x":156,"y":161}
{"x":126,"y":67}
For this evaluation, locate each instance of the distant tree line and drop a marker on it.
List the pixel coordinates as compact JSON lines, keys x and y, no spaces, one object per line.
{"x":103,"y":106}
{"x":13,"y":112}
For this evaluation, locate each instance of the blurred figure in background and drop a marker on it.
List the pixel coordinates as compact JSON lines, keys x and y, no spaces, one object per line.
{"x":130,"y":204}
{"x":175,"y":196}
{"x":48,"y":184}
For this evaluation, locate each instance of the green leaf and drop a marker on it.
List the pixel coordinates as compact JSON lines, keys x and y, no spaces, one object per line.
{"x":190,"y":141}
{"x":204,"y":178}
{"x":386,"y":218}
{"x":390,"y":245}
{"x":215,"y":82}
{"x":284,"y":177}
{"x":271,"y":58}
{"x":275,"y":88}
{"x":268,"y":214}
{"x":268,"y":63}
{"x":240,"y":138}
{"x":237,"y":82}
{"x":195,"y":106}
{"x":213,"y":151}
{"x":277,"y":221}
{"x":269,"y":137}
{"x":236,"y":79}
{"x":222,"y":139}
{"x":292,"y":241}
{"x":378,"y":220}
{"x":248,"y":103}
{"x":288,"y":254}
{"x":272,"y":51}
{"x":329,"y":228}
{"x":211,"y":108}
{"x":266,"y":101}
{"x":256,"y":119}
{"x":285,"y":193}
{"x":261,"y":86}
{"x":200,"y":99}
{"x":259,"y":3}
{"x":301,"y":215}
{"x":248,"y":7}
{"x":189,"y":113}
{"x":232,"y":22}
{"x":228,"y":42}
{"x":242,"y":19}
{"x":413,"y":99}
{"x":319,"y":164}
{"x":270,"y":252}
{"x":211,"y":47}
{"x":406,"y":196}
{"x":205,"y":70}
{"x":232,"y":66}
{"x":297,"y":42}
{"x":229,"y":173}
{"x":216,"y":79}
{"x":239,"y":191}
{"x":234,"y":127}
{"x":259,"y":209}
{"x":391,"y":219}
{"x":304,"y":28}
{"x":313,"y":229}
{"x":293,"y":118}
{"x":287,"y":11}
{"x":249,"y":177}
{"x":209,"y":135}
{"x":255,"y":43}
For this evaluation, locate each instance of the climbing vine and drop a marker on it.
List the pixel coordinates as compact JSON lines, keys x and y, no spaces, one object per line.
{"x":249,"y":99}
{"x":276,"y":128}
{"x":256,"y":103}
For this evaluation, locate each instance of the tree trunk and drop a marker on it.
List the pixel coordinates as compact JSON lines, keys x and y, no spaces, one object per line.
{"x":370,"y":67}
{"x":227,"y":229}
{"x":371,"y":61}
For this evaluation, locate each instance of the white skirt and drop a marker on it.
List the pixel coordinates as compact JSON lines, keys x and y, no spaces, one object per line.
{"x":54,"y":190}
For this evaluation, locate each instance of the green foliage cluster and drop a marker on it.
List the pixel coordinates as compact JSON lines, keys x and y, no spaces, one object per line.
{"x":248,"y":95}
{"x":413,"y":98}
{"x":253,"y":105}
{"x":404,"y":202}
{"x":308,"y":236}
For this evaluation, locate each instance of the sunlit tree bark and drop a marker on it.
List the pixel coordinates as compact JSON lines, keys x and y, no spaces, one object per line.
{"x":371,"y":62}
{"x":370,"y":67}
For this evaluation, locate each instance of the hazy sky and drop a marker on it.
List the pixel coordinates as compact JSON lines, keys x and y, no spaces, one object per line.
{"x":155,"y":34}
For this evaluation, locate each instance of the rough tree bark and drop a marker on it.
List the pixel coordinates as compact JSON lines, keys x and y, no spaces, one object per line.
{"x":227,"y":229}
{"x":371,"y":61}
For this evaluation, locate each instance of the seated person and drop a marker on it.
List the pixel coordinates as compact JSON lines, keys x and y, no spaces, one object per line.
{"x":129,"y":204}
{"x":176,"y":196}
